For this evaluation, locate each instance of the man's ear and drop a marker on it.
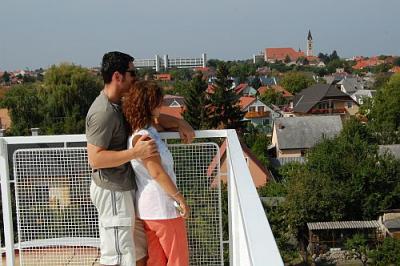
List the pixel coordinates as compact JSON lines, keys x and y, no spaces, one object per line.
{"x":117,"y":76}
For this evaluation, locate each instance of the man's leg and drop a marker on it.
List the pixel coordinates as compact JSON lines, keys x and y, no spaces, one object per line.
{"x":116,"y":211}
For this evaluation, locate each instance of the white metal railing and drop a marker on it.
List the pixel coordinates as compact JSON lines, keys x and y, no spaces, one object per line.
{"x":250,"y":237}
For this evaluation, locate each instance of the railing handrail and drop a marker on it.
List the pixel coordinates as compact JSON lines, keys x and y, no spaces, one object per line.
{"x":258,"y":238}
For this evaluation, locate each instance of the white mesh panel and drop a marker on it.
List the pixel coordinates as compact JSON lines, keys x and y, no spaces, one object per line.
{"x":197,"y":167}
{"x":57,"y":223}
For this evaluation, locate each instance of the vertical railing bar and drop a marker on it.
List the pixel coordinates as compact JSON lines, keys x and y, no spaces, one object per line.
{"x":6,"y":204}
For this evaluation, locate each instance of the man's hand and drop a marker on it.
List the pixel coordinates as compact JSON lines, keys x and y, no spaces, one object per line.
{"x":185,"y":131}
{"x":144,"y":148}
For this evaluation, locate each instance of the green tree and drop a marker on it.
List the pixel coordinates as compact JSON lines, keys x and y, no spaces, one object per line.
{"x":271,"y":96}
{"x":287,"y":59}
{"x":6,"y":77}
{"x":383,"y":112}
{"x":25,"y":108}
{"x":182,"y":74}
{"x":67,"y":93}
{"x":397,"y":61}
{"x":388,"y":253}
{"x":296,"y":81}
{"x":359,"y":247}
{"x":197,"y":104}
{"x":226,"y":112}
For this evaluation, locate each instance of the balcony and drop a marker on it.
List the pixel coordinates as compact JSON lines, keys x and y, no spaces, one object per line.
{"x":56,"y":224}
{"x":328,"y":111}
{"x":255,"y":114}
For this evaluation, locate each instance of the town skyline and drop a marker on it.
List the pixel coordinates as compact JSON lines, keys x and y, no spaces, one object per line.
{"x":43,"y":33}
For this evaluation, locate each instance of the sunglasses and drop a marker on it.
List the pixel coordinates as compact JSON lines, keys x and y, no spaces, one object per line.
{"x":133,"y":72}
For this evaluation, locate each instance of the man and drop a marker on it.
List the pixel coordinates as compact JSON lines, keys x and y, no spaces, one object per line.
{"x":113,"y":180}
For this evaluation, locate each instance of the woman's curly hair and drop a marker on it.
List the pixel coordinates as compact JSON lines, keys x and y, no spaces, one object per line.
{"x":139,"y":103}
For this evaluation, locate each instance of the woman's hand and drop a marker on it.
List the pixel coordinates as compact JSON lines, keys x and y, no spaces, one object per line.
{"x":185,"y":209}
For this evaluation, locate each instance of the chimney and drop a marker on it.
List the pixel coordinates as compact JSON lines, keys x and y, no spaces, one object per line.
{"x":35,"y":131}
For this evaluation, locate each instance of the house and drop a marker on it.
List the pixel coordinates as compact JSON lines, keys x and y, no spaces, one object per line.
{"x":360,"y":95}
{"x":173,"y":105}
{"x":395,"y":69}
{"x":5,"y":120}
{"x":293,"y":136}
{"x":278,"y":89}
{"x":368,"y":62}
{"x":390,"y":223}
{"x":163,"y":77}
{"x":280,"y":54}
{"x":257,"y":112}
{"x":260,"y":174}
{"x":268,"y":81}
{"x":173,"y":101}
{"x":245,"y":90}
{"x":323,"y":99}
{"x":351,"y":85}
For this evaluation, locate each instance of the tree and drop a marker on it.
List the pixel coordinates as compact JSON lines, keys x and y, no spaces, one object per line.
{"x":397,"y":61}
{"x":197,"y":107}
{"x":25,"y":108}
{"x":359,"y":247}
{"x":182,"y":74}
{"x":388,"y":253}
{"x":333,"y":56}
{"x":67,"y":93}
{"x":294,"y":82}
{"x":255,"y":82}
{"x":224,"y":102}
{"x":287,"y":59}
{"x":6,"y":77}
{"x":58,"y":105}
{"x":271,"y":96}
{"x":383,"y":112}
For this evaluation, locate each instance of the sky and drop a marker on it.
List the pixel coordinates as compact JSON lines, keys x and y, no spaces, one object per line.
{"x":40,"y":33}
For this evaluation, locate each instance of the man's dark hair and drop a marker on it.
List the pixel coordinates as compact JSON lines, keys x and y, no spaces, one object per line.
{"x":114,"y":62}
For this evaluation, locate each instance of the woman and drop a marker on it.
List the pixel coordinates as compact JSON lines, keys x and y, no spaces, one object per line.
{"x":157,"y":198}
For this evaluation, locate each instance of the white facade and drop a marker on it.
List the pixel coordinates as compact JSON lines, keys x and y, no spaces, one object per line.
{"x":157,"y":63}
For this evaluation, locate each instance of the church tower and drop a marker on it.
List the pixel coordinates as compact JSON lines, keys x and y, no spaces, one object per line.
{"x":309,"y":44}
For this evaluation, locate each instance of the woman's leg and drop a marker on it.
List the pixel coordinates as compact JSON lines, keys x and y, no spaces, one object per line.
{"x":156,"y":255}
{"x":172,"y":237}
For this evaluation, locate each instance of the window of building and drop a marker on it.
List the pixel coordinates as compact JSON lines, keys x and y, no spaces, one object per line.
{"x":252,"y":109}
{"x":349,"y":104}
{"x":261,"y":108}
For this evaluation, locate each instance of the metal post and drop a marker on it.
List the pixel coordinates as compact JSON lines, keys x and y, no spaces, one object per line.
{"x":6,"y":202}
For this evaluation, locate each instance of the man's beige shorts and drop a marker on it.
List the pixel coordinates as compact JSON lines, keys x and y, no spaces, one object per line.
{"x":119,"y":244}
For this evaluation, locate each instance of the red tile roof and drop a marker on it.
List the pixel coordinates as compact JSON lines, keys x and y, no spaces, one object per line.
{"x":276,"y":88}
{"x":239,"y":88}
{"x":395,"y":69}
{"x":172,"y":111}
{"x":246,"y":101}
{"x":281,"y":53}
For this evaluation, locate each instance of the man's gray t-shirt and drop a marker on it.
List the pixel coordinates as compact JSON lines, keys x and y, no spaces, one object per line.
{"x":106,"y":128}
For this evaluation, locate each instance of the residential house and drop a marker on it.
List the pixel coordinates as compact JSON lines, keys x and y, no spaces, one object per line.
{"x":360,"y":95}
{"x":367,"y":62}
{"x":293,"y":136}
{"x":173,"y":105}
{"x":389,"y":222}
{"x":5,"y":120}
{"x":268,"y":81}
{"x":323,"y":99}
{"x":395,"y":69}
{"x":163,"y":77}
{"x":245,"y":89}
{"x":260,"y":174}
{"x":280,"y":54}
{"x":350,"y":85}
{"x":278,"y":89}
{"x":257,"y":112}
